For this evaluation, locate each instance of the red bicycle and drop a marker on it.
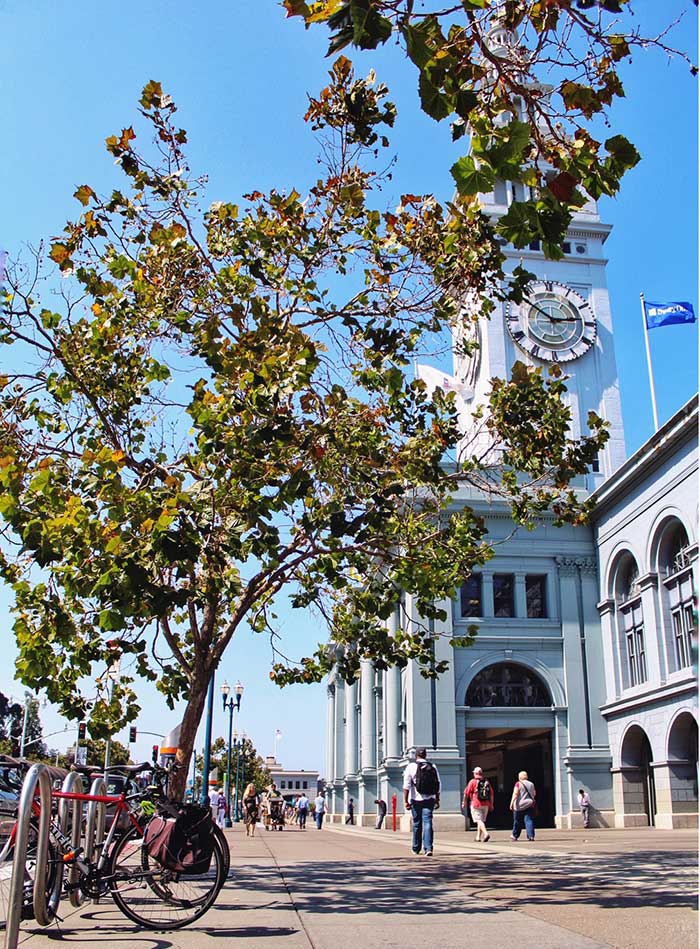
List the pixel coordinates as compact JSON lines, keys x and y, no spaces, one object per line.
{"x":117,"y":864}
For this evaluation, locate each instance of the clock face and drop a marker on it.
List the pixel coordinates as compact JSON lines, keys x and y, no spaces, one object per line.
{"x":554,"y":323}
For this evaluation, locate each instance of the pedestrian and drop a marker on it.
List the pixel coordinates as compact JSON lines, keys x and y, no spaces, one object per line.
{"x":350,"y":813}
{"x":319,"y":811}
{"x":584,"y":803}
{"x":381,"y":812}
{"x":479,"y":797}
{"x":214,"y":803}
{"x":221,"y":809}
{"x":302,"y":811}
{"x":251,"y":809}
{"x":421,"y":795}
{"x":522,"y":804}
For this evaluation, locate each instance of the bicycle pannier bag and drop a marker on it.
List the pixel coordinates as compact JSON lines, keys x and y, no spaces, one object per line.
{"x":181,"y":838}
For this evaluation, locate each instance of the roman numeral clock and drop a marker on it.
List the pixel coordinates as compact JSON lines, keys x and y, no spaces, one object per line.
{"x":553,"y":323}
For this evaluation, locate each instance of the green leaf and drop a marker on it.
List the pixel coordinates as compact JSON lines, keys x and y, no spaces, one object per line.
{"x":471,"y":179}
{"x":434,"y":101}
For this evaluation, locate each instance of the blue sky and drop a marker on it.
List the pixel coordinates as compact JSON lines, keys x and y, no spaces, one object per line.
{"x":71,"y":74}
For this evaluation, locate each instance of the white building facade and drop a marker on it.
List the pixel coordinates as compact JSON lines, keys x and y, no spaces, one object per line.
{"x":646,"y":532}
{"x":543,"y":688}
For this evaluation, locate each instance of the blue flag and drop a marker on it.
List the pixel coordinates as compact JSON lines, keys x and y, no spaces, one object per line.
{"x":665,"y":314}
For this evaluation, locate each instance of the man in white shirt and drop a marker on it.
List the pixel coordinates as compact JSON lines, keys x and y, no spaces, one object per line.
{"x":421,"y":795}
{"x":319,"y":811}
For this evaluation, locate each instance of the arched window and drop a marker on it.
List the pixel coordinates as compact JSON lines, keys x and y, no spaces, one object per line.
{"x":631,"y":619}
{"x":677,"y":591}
{"x":509,"y":685}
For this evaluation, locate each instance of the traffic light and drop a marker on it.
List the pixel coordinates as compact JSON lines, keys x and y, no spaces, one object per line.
{"x":154,"y":754}
{"x":132,"y":734}
{"x":81,"y":731}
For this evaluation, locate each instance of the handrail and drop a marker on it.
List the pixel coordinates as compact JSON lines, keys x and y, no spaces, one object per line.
{"x":69,"y":787}
{"x":36,"y":776}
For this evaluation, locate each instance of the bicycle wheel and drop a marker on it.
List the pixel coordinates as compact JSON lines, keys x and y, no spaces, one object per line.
{"x":157,"y":898}
{"x":7,"y":856}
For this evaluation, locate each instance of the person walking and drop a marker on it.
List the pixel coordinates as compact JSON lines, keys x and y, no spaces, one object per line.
{"x":584,"y":803}
{"x":319,"y":810}
{"x":479,"y":797}
{"x":350,"y":818}
{"x":381,"y":812}
{"x":302,"y":811}
{"x":421,"y":795}
{"x":251,"y":809}
{"x":221,"y":809}
{"x":522,"y":804}
{"x":214,"y":803}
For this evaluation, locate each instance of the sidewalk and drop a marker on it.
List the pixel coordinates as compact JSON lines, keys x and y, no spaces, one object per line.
{"x":352,"y":887}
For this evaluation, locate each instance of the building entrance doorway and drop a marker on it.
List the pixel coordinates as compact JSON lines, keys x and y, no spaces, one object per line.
{"x":502,"y":753}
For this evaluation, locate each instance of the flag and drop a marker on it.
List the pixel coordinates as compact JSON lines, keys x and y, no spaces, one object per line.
{"x":665,"y":314}
{"x":437,"y":379}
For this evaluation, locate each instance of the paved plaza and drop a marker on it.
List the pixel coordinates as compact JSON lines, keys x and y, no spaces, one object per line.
{"x":351,"y":887}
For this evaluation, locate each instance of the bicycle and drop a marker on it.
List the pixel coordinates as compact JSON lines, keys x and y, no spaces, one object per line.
{"x":145,"y":892}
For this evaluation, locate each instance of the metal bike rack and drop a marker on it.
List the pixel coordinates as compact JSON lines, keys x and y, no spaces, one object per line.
{"x":96,"y":819}
{"x":72,"y":784}
{"x":37,"y":776}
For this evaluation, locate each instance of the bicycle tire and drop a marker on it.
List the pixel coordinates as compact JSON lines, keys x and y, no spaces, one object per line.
{"x":156,"y":898}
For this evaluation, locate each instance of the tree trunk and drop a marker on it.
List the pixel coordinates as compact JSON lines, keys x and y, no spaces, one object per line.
{"x":188,"y":734}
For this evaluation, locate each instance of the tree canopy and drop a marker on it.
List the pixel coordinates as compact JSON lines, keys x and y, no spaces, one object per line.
{"x":220,"y":410}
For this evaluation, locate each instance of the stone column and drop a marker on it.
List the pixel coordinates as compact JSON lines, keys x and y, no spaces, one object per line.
{"x":339,"y":754}
{"x":606,"y":611}
{"x":350,"y":729}
{"x":573,"y":660}
{"x":330,"y":739}
{"x":520,"y":596}
{"x":392,"y":704}
{"x":487,"y":593}
{"x":369,"y":727}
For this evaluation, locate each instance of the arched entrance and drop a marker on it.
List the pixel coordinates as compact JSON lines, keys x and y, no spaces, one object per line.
{"x":683,"y":767}
{"x":638,"y":788}
{"x":509,"y":729}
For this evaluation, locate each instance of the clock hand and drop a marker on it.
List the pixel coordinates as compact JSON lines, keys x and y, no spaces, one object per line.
{"x":553,"y":319}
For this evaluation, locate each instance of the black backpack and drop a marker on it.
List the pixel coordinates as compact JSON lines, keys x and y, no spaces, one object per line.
{"x":181,"y":838}
{"x":483,"y":790}
{"x":427,"y":781}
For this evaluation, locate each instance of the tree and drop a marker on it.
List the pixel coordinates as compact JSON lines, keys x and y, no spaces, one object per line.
{"x":119,"y":754}
{"x":219,"y":412}
{"x":250,"y":764}
{"x":12,"y":724}
{"x":526,"y":80}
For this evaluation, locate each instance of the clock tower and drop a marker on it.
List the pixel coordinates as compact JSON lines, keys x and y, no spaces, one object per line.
{"x":566,"y":319}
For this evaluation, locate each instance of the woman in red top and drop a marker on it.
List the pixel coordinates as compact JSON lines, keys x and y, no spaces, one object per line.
{"x":474,"y":793}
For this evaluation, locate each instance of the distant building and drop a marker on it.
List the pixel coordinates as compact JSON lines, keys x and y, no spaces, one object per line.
{"x":292,"y":783}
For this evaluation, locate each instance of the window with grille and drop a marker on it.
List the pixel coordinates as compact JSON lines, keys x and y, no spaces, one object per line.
{"x":634,"y":634}
{"x":683,"y":632}
{"x":470,"y":596}
{"x":503,"y":594}
{"x":536,"y":596}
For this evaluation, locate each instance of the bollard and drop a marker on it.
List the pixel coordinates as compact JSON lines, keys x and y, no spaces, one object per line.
{"x":37,"y":775}
{"x":393,"y":812}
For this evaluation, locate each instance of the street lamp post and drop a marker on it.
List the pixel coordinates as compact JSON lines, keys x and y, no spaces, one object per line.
{"x":230,"y":704}
{"x":239,"y":775}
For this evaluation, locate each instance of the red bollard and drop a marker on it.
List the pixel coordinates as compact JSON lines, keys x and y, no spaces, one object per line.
{"x":393,"y":811}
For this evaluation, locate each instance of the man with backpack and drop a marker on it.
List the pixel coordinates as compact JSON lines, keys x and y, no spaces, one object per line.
{"x":478,"y":795}
{"x":421,"y":795}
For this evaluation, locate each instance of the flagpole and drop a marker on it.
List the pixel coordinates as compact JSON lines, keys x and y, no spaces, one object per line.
{"x":651,"y":372}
